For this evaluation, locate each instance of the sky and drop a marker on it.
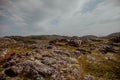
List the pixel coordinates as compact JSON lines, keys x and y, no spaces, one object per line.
{"x":60,"y":17}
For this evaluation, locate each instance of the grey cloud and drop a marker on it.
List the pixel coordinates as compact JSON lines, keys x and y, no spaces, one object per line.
{"x":59,"y":16}
{"x":114,"y":2}
{"x":62,"y":5}
{"x":38,"y":10}
{"x":90,"y":5}
{"x":1,"y":31}
{"x":3,"y":2}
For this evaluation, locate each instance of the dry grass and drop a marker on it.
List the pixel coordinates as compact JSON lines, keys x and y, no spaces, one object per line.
{"x":101,"y":68}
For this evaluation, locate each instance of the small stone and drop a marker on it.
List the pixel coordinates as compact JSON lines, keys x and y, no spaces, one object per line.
{"x":89,"y":77}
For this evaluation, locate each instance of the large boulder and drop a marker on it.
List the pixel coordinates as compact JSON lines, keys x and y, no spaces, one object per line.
{"x":75,"y":42}
{"x":115,"y":39}
{"x":34,"y":69}
{"x":106,"y":48}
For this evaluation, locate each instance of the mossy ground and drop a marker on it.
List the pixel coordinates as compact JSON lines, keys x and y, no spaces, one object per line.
{"x":102,"y":66}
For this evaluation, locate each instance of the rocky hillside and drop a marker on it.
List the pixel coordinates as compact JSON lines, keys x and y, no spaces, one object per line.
{"x":53,"y":57}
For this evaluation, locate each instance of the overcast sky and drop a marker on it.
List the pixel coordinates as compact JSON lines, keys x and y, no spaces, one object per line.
{"x":62,"y":17}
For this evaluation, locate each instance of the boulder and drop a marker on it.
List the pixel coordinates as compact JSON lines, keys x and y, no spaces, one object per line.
{"x":14,"y":71}
{"x":49,"y":47}
{"x":74,"y":70}
{"x":106,"y":48}
{"x":35,"y":75}
{"x":2,"y":76}
{"x":83,"y":51}
{"x":115,"y":39}
{"x":75,"y":42}
{"x":53,"y":42}
{"x":57,"y":76}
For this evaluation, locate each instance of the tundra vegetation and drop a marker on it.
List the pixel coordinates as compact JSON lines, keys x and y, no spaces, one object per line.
{"x":54,"y":57}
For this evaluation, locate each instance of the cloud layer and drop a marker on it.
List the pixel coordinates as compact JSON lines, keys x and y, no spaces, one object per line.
{"x":63,"y":17}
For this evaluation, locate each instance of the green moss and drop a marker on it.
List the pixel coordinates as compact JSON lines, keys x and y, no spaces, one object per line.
{"x":18,"y":49}
{"x":100,"y":68}
{"x":1,"y":69}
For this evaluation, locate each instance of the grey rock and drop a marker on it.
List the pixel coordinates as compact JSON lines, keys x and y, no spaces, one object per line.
{"x":14,"y":71}
{"x":75,"y":42}
{"x":106,"y":48}
{"x":89,"y":77}
{"x":83,"y":51}
{"x":2,"y":76}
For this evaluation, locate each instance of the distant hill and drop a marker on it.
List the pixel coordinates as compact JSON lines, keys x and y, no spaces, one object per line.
{"x":114,"y":34}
